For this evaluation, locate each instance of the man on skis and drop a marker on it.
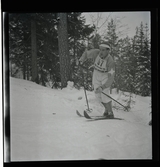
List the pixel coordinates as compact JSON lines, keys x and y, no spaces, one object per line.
{"x":103,"y":74}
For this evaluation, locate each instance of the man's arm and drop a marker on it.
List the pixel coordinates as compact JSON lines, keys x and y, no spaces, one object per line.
{"x":83,"y":58}
{"x":89,"y":54}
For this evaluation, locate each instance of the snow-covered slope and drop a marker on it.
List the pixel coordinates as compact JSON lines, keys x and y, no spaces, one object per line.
{"x":44,"y":126}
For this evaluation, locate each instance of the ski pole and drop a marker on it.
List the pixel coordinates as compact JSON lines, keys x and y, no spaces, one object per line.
{"x":85,"y":92}
{"x":85,"y":89}
{"x":115,"y":101}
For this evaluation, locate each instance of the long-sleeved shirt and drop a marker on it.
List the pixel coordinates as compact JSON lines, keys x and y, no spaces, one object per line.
{"x":106,"y":65}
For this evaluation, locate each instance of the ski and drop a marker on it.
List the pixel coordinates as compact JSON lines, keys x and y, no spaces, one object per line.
{"x":79,"y":114}
{"x":87,"y":116}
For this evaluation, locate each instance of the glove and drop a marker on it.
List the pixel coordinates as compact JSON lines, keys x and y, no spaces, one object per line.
{"x":99,"y":90}
{"x":78,"y":62}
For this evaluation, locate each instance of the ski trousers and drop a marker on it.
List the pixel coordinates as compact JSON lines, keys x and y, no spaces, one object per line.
{"x":99,"y":79}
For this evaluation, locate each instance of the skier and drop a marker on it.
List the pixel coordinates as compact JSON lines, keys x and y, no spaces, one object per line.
{"x":103,"y":74}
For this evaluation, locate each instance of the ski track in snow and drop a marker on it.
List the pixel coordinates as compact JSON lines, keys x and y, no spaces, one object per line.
{"x":44,"y":126}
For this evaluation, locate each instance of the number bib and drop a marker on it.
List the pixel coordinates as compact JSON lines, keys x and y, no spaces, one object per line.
{"x":100,"y":64}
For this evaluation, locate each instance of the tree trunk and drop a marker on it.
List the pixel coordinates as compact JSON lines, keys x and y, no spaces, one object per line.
{"x":34,"y":51}
{"x":27,"y":69}
{"x":63,"y":49}
{"x":24,"y":71}
{"x":24,"y":67}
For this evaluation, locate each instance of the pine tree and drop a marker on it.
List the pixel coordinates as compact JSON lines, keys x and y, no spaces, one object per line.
{"x":19,"y":42}
{"x":47,"y":54}
{"x":143,"y":75}
{"x":112,"y":39}
{"x":48,"y":60}
{"x":34,"y":50}
{"x":124,"y":77}
{"x":79,"y":35}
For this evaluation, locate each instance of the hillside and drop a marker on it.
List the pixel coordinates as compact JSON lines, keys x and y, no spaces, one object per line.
{"x":44,"y":126}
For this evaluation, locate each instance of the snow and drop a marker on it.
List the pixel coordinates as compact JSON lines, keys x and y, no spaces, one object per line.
{"x":44,"y":126}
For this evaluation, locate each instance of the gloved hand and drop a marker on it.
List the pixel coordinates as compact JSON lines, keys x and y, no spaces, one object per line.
{"x":99,"y":90}
{"x":78,"y":62}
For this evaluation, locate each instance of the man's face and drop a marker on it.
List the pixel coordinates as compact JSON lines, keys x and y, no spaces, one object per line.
{"x":103,"y":52}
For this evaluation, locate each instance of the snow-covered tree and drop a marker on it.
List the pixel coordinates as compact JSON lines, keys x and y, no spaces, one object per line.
{"x":48,"y":66}
{"x":112,"y":38}
{"x":143,"y":74}
{"x":134,"y":63}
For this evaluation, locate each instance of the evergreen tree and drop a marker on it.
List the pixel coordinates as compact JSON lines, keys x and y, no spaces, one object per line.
{"x":127,"y":65}
{"x":112,"y":39}
{"x":34,"y":50}
{"x":79,"y":34}
{"x":96,"y":41}
{"x":48,"y":56}
{"x":134,"y":63}
{"x":48,"y":67}
{"x":19,"y":43}
{"x":143,"y":75}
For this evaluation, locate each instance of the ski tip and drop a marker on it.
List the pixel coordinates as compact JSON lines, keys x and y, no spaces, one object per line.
{"x":86,"y":115}
{"x":77,"y":112}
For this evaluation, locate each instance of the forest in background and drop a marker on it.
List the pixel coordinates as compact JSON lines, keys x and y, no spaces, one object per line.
{"x":44,"y":48}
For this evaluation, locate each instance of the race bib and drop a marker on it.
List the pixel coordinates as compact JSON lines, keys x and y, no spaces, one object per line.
{"x":100,"y":64}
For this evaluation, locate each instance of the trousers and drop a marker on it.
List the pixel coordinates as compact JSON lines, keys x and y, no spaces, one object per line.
{"x":99,"y":79}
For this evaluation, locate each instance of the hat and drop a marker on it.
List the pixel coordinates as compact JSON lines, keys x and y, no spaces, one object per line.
{"x":104,"y":45}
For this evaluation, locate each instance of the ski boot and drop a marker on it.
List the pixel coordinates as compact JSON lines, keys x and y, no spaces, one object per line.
{"x":108,"y":110}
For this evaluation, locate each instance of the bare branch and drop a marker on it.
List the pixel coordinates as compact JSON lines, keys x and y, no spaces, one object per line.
{"x":96,"y":20}
{"x":99,"y":17}
{"x":92,"y":19}
{"x":105,"y":20}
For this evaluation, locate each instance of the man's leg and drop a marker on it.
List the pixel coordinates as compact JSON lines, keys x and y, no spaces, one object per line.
{"x":96,"y":83}
{"x":97,"y":95}
{"x":110,"y":111}
{"x":107,"y":102}
{"x":106,"y":109}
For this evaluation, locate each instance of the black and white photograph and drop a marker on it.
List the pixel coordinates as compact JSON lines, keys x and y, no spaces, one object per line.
{"x":79,"y":86}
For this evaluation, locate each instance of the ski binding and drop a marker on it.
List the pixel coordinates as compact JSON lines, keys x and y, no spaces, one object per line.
{"x":87,"y":116}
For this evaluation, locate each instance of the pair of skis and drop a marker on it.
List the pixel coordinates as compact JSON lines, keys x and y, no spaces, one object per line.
{"x":87,"y":116}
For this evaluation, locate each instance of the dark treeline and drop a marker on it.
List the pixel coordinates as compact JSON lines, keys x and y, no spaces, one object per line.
{"x":21,"y":35}
{"x":37,"y":44}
